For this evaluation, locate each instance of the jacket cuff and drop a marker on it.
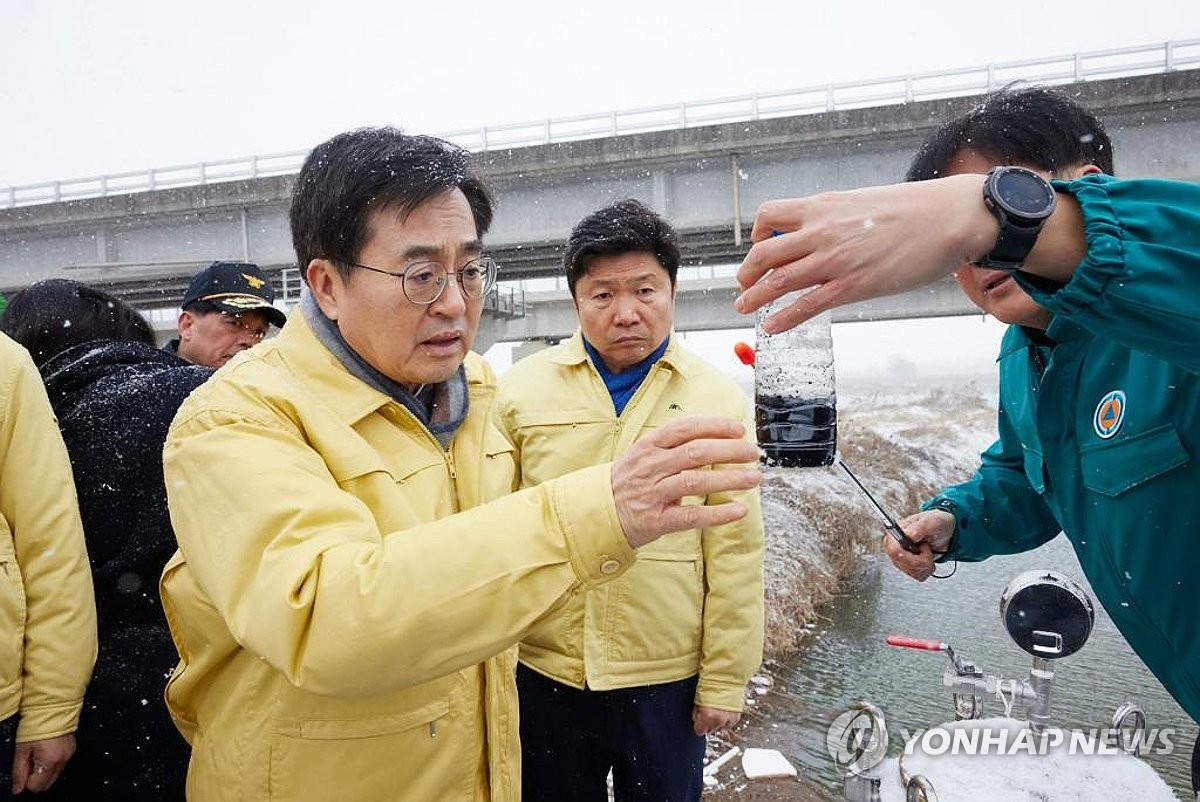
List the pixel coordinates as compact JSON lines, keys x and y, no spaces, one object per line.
{"x":720,"y":695}
{"x":596,"y":544}
{"x":40,"y":723}
{"x":1105,"y":258}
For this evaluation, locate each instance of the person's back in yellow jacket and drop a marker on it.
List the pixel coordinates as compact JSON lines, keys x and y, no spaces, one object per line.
{"x":47,"y":611}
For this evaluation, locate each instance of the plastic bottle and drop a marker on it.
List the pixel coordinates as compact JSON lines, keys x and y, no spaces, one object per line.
{"x":795,"y":402}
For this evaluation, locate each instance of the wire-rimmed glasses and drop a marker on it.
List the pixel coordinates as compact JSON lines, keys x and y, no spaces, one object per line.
{"x":424,"y":282}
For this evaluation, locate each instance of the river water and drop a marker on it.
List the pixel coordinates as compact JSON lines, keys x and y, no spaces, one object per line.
{"x":847,"y":660}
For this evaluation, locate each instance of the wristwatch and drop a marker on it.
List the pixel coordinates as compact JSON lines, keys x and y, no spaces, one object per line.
{"x":1021,"y":200}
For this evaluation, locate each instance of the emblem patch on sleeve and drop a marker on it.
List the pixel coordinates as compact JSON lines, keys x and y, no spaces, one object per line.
{"x":1110,"y":413}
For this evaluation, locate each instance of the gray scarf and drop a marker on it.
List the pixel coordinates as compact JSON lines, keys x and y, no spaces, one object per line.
{"x":440,"y":407}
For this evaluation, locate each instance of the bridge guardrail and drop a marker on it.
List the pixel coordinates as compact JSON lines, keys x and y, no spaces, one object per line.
{"x":1095,"y":65}
{"x":506,"y":301}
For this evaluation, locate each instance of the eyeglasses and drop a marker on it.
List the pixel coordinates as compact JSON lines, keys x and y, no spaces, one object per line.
{"x":424,"y":282}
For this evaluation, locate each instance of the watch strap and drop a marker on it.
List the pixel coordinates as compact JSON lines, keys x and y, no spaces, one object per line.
{"x":1012,"y":246}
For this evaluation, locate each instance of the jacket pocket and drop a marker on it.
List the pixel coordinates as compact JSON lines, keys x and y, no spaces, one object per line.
{"x":557,"y":417}
{"x":557,"y":442}
{"x":559,"y":631}
{"x":346,"y":466}
{"x":495,"y":444}
{"x":12,"y":611}
{"x":340,"y":729}
{"x":416,"y":753}
{"x":373,"y":477}
{"x":499,"y":466}
{"x":660,"y":608}
{"x":1113,"y":468}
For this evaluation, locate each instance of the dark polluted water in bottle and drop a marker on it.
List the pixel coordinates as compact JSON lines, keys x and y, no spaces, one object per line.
{"x":795,"y":401}
{"x":796,"y":432}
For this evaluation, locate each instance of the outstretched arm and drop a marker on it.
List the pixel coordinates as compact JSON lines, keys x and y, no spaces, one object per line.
{"x":1119,"y":258}
{"x":335,"y":604}
{"x":867,"y":243}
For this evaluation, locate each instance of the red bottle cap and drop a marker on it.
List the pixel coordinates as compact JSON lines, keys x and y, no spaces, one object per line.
{"x":744,"y":353}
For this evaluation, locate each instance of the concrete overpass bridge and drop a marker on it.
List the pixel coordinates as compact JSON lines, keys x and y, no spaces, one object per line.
{"x":143,"y":241}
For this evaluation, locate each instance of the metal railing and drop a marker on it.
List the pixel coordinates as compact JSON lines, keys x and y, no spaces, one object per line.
{"x":506,"y":301}
{"x":1096,"y":65}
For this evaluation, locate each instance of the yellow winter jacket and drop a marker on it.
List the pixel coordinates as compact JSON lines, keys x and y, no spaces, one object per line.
{"x":47,"y":610}
{"x":693,"y":603}
{"x":344,"y":607}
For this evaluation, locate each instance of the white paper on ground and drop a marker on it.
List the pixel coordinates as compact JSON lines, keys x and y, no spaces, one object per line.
{"x":765,"y":763}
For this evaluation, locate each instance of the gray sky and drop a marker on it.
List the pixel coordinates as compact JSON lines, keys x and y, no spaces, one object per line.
{"x":101,"y":87}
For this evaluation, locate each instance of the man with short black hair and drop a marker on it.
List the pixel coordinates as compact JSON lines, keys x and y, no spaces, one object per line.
{"x":1099,"y":408}
{"x":633,"y":675}
{"x":354,"y":571}
{"x":1108,"y":465}
{"x":228,"y":307}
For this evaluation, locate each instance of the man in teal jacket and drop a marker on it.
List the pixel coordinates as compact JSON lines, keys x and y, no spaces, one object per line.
{"x":1099,"y":420}
{"x":1105,"y":443}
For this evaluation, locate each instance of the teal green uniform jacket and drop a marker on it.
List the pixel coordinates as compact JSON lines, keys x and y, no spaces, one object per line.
{"x":1100,"y":429}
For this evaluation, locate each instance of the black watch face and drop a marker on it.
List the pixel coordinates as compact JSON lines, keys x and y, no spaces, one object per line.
{"x":1024,"y":193}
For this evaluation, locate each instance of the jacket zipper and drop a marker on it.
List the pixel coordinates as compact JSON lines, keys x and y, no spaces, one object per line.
{"x":651,"y":377}
{"x":447,"y":455}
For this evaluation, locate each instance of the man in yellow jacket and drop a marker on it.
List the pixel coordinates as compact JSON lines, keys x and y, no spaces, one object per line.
{"x":47,"y":610}
{"x":632,"y":675}
{"x":353,"y":573}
